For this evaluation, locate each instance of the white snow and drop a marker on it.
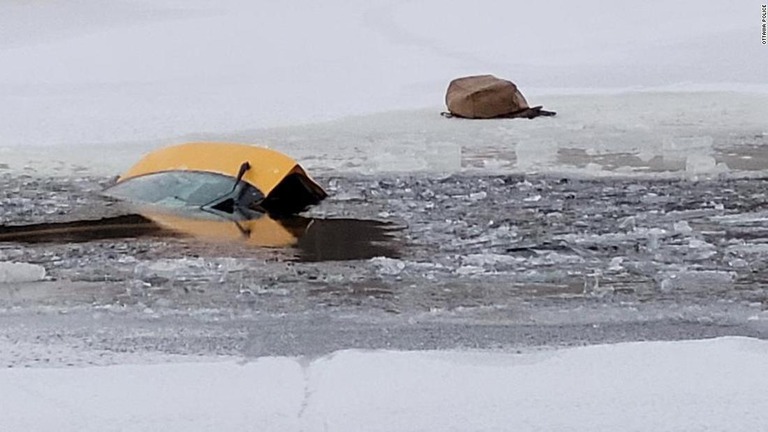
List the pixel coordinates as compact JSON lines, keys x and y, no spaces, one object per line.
{"x":711,"y":385}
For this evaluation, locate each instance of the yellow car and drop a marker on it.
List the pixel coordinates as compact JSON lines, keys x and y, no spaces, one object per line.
{"x":221,"y":178}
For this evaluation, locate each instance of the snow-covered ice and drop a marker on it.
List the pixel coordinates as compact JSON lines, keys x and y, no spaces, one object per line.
{"x":710,"y":385}
{"x":120,"y":82}
{"x":638,"y":133}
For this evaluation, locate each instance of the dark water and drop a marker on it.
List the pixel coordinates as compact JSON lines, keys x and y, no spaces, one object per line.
{"x":310,"y":239}
{"x":344,"y":239}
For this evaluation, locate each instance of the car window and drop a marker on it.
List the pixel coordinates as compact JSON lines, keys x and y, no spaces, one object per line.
{"x":177,"y":188}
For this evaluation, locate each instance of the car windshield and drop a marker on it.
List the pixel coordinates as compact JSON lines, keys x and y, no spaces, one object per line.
{"x":178,"y":188}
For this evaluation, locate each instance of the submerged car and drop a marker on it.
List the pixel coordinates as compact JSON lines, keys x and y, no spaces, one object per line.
{"x":223,"y":193}
{"x":236,"y":180}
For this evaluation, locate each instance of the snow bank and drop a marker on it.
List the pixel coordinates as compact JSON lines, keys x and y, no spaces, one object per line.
{"x":711,"y":385}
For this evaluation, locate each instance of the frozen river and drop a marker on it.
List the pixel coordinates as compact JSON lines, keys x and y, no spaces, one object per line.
{"x":487,"y":253}
{"x":488,"y":290}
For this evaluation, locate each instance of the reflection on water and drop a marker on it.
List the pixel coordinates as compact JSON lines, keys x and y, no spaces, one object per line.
{"x":126,"y":226}
{"x":312,"y":239}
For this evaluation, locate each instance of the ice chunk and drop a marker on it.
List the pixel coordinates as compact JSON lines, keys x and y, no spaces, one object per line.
{"x":388,"y":266}
{"x":689,"y":280}
{"x":682,"y":227}
{"x":742,"y":218}
{"x":738,"y":263}
{"x":533,"y":154}
{"x":13,"y":272}
{"x":177,"y":269}
{"x":628,"y":223}
{"x":748,"y":249}
{"x":695,"y":243}
{"x":615,"y":264}
{"x":477,"y":196}
{"x":593,"y":288}
{"x":762,"y":316}
{"x":684,"y":147}
{"x":489,"y":259}
{"x":467,"y":270}
{"x":696,"y":164}
{"x":653,"y":238}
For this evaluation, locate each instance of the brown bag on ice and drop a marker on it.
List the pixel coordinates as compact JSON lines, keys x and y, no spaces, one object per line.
{"x":485,"y":97}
